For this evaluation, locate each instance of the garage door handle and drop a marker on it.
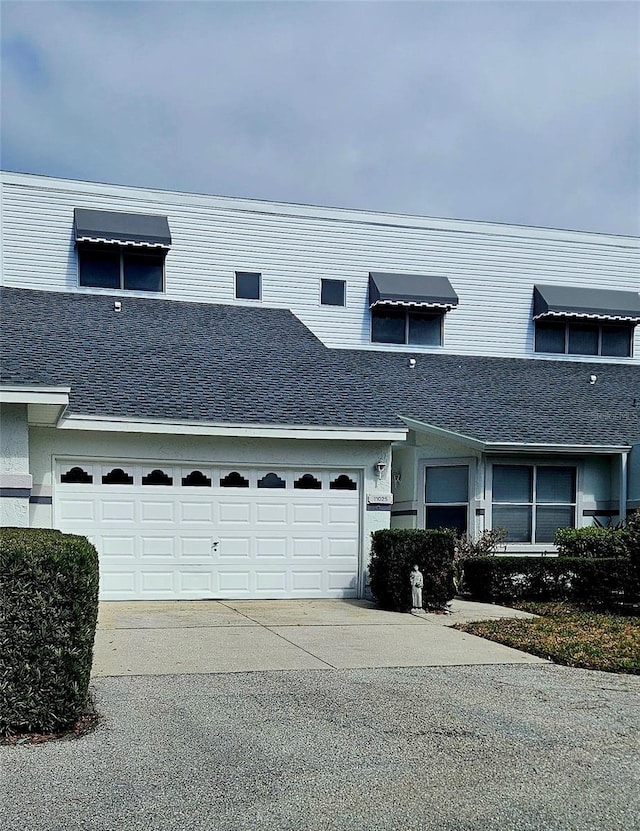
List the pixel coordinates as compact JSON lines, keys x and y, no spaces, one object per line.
{"x":215,"y":544}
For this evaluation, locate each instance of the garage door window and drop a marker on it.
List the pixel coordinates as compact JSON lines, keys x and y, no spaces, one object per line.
{"x":117,"y":477}
{"x":157,"y":477}
{"x":271,"y":480}
{"x":234,"y":480}
{"x":77,"y":476}
{"x":307,"y":483}
{"x":343,"y":483}
{"x":196,"y":479}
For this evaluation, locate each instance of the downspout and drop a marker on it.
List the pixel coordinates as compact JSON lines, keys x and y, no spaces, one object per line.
{"x":624,"y":468}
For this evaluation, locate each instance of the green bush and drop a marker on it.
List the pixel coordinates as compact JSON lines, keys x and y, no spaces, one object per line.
{"x":394,"y":552}
{"x":633,"y":539}
{"x":596,"y":582}
{"x":48,"y":612}
{"x":591,"y":542}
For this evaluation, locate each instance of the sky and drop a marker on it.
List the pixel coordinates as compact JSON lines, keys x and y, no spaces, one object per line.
{"x":519,"y":112}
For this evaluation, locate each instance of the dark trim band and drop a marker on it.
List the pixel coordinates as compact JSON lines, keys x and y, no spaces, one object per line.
{"x":18,"y":493}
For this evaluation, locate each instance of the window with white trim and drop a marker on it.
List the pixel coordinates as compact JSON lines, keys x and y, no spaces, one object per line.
{"x":447,"y":497}
{"x":532,"y":501}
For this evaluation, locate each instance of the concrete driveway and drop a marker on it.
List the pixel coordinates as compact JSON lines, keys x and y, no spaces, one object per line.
{"x":185,"y":637}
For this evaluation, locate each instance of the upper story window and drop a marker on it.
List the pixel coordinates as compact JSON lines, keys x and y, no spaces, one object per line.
{"x":121,"y":251}
{"x":248,"y":285}
{"x":409,"y":308}
{"x":582,"y":321}
{"x":332,"y":292}
{"x":569,"y":338}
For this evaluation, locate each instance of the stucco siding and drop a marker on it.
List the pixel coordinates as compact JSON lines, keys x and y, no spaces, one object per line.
{"x":15,"y":481}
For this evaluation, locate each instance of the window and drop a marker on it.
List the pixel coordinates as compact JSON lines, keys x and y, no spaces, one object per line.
{"x":248,"y":285}
{"x":332,"y":292}
{"x":533,"y":501}
{"x":389,"y":325}
{"x":113,"y":266}
{"x":572,"y":338}
{"x":447,"y":497}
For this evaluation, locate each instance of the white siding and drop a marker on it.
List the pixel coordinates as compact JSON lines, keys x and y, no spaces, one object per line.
{"x":492,"y":267}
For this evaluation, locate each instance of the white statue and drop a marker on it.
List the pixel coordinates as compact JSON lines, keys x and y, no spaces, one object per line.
{"x":417,"y":582}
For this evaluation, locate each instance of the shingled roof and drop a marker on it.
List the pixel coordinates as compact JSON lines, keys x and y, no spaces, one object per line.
{"x":160,"y":359}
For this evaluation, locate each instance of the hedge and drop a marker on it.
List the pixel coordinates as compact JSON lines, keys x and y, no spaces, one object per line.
{"x":394,"y":552}
{"x":596,"y":582}
{"x":591,"y":542}
{"x":48,"y":613}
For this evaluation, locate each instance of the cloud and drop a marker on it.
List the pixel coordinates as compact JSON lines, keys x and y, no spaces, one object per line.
{"x":517,"y":112}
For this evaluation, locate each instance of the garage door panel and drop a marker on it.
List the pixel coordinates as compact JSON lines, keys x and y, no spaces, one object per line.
{"x":233,"y":547}
{"x":194,"y":512}
{"x":307,"y":513}
{"x":118,"y":582}
{"x":233,"y":581}
{"x":267,"y":581}
{"x":271,"y":547}
{"x":112,"y":510}
{"x":78,"y":510}
{"x":211,"y":541}
{"x":271,"y":513}
{"x":234,"y":513}
{"x":158,"y":582}
{"x":307,"y":547}
{"x":156,"y":546}
{"x":156,"y":511}
{"x":117,"y":546}
{"x":197,"y":547}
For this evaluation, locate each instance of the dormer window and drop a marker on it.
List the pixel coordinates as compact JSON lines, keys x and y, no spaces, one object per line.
{"x":582,"y":321}
{"x":409,"y":308}
{"x":121,"y":251}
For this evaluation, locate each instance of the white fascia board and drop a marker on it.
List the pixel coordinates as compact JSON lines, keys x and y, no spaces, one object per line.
{"x":514,"y":447}
{"x":27,"y":394}
{"x":115,"y":425}
{"x":440,"y":432}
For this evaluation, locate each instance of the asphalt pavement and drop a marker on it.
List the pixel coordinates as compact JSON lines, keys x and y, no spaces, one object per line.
{"x":506,"y":747}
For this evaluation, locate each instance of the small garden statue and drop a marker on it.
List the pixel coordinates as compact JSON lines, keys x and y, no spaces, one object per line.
{"x":417,"y":582}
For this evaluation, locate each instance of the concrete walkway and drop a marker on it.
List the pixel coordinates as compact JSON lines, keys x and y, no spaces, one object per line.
{"x":199,"y":637}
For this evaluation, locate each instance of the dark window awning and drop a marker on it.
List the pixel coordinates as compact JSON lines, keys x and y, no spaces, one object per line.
{"x":126,"y":229}
{"x":428,"y":291}
{"x":578,"y":302}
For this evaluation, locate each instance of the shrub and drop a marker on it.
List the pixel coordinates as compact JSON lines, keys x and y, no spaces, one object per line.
{"x":596,"y":582}
{"x":486,"y":545}
{"x":591,"y":542}
{"x":394,"y":552}
{"x":633,"y":539}
{"x":48,"y":612}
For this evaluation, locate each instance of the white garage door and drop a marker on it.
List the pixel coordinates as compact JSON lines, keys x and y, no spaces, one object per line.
{"x":166,"y":531}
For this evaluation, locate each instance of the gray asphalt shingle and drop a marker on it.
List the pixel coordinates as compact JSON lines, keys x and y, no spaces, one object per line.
{"x":237,"y":364}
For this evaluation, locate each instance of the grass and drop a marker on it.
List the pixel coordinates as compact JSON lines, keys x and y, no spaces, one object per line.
{"x":569,"y":635}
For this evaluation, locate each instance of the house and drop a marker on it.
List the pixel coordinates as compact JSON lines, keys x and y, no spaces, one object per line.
{"x":228,"y":396}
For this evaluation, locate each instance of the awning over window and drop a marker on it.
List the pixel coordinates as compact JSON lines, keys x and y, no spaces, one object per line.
{"x":126,"y":229}
{"x":424,"y":290}
{"x":577,"y":302}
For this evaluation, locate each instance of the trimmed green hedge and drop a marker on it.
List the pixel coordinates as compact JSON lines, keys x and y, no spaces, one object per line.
{"x":597,"y":582}
{"x":48,"y":613}
{"x":591,"y":542}
{"x":394,"y":552}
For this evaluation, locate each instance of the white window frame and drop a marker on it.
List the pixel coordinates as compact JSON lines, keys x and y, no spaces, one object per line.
{"x":470,"y":462}
{"x":533,"y":547}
